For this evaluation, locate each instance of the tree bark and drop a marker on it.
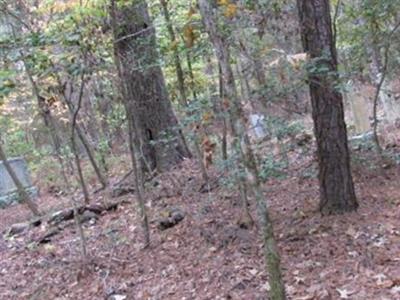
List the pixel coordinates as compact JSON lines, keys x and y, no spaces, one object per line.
{"x":246,"y":155}
{"x":44,"y":109}
{"x":132,"y":130}
{"x":224,"y":138}
{"x":79,"y":131}
{"x":90,"y":154}
{"x":336,"y":183}
{"x":159,"y":138}
{"x":43,"y":106}
{"x":73,"y":140}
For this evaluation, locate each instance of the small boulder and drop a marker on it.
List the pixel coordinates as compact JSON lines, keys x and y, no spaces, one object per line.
{"x":170,"y":218}
{"x":303,"y":139}
{"x":97,"y":208}
{"x":177,"y":215}
{"x":46,"y":238}
{"x":245,"y":221}
{"x":363,"y":141}
{"x":122,"y":190}
{"x":88,"y":216}
{"x":36,"y":222}
{"x":17,"y":228}
{"x":60,"y":216}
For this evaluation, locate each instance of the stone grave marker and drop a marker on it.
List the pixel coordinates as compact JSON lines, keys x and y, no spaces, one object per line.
{"x":257,"y":126}
{"x":8,"y":190}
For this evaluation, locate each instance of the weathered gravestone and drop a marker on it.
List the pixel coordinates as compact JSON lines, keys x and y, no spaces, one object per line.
{"x":8,"y":190}
{"x":257,"y":126}
{"x":357,"y":96}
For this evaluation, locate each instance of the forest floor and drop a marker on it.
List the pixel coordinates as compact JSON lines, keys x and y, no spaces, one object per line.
{"x":207,"y":255}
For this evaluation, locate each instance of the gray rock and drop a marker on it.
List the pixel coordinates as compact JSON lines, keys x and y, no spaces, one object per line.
{"x":363,"y":141}
{"x":122,"y":190}
{"x":172,"y":218}
{"x":46,"y":238}
{"x":362,"y":137}
{"x":177,"y":215}
{"x":60,"y":216}
{"x":88,"y":216}
{"x":17,"y":228}
{"x":36,"y":222}
{"x":97,"y":208}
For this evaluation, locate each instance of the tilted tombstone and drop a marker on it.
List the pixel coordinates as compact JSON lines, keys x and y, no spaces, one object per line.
{"x":8,"y":190}
{"x":257,"y":126}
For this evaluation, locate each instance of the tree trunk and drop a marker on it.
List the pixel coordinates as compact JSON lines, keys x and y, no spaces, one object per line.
{"x":67,"y":100}
{"x":91,"y":155}
{"x":178,"y":66}
{"x":132,"y":130}
{"x":78,"y":224}
{"x":271,"y":253}
{"x":181,"y":86}
{"x":161,"y":142}
{"x":44,"y":109}
{"x":73,"y":141}
{"x":139,"y":185}
{"x":336,"y":183}
{"x":224,"y":139}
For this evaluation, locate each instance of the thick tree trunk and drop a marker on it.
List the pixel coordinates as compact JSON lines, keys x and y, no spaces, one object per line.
{"x":161,"y":142}
{"x":132,"y":130}
{"x":336,"y":182}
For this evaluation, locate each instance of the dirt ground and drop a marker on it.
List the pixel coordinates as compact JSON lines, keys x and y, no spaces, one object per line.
{"x":207,"y":255}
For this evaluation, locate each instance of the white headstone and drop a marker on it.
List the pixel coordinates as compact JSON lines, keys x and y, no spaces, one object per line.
{"x":257,"y":125}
